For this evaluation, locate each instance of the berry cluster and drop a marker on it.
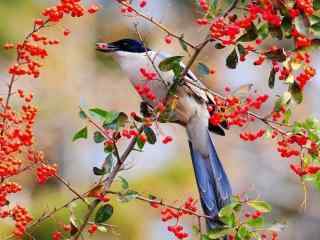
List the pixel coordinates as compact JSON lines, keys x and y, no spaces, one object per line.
{"x":305,"y":6}
{"x":56,"y":235}
{"x":145,"y":91}
{"x":167,"y":214}
{"x":247,"y":136}
{"x":16,"y":125}
{"x":93,"y":228}
{"x":148,"y":75}
{"x":6,"y":189}
{"x":167,"y":139}
{"x":22,"y":218}
{"x":44,"y":172}
{"x":235,"y":111}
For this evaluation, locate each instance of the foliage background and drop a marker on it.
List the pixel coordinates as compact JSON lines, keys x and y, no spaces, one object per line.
{"x":77,"y":75}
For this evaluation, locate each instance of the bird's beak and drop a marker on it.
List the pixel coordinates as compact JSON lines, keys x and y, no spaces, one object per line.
{"x":106,"y":47}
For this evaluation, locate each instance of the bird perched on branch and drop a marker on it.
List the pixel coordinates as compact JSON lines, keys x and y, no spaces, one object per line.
{"x":190,"y":112}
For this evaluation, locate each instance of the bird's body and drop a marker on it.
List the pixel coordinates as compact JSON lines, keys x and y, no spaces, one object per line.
{"x":191,"y":112}
{"x":131,"y":63}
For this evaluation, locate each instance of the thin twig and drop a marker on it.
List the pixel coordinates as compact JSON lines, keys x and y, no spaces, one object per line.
{"x":156,"y":23}
{"x":64,"y":182}
{"x":13,"y":76}
{"x":163,"y":204}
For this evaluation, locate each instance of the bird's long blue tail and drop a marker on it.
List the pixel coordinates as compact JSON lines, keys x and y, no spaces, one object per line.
{"x":213,"y":184}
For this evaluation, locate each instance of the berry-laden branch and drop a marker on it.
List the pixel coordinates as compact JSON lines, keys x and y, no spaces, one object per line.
{"x":129,"y":9}
{"x":109,"y":180}
{"x":16,"y":123}
{"x":258,"y":23}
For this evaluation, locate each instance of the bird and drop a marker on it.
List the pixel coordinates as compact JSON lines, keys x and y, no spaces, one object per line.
{"x":191,"y":112}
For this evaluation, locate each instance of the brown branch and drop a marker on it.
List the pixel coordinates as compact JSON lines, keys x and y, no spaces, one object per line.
{"x":13,"y":76}
{"x":265,"y":120}
{"x":107,"y":185}
{"x":46,"y":216}
{"x":68,"y":185}
{"x":230,"y":8}
{"x":194,"y":57}
{"x":156,"y":23}
{"x":149,"y":57}
{"x":163,"y":204}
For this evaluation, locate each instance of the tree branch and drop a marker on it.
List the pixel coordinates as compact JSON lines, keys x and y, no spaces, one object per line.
{"x":107,"y":184}
{"x":156,"y":23}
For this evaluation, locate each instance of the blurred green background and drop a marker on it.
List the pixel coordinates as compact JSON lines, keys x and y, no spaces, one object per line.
{"x":76,"y":75}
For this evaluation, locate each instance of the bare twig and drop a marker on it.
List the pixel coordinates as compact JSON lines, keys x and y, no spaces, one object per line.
{"x":68,"y":185}
{"x":156,"y":23}
{"x":230,"y":8}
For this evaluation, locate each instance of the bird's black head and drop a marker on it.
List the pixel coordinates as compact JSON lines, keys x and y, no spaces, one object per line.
{"x":126,"y":45}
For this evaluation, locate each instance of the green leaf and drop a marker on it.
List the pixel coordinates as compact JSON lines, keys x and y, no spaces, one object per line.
{"x":82,"y":114}
{"x":83,"y":133}
{"x":99,"y":171}
{"x":219,"y":46}
{"x":226,"y":211}
{"x":214,"y":7}
{"x":151,"y":136}
{"x":286,"y":26}
{"x":229,"y":220}
{"x":229,"y":209}
{"x":100,"y":112}
{"x":98,"y":137}
{"x":256,"y":222}
{"x":250,"y":35}
{"x":272,"y":78}
{"x":243,"y":233}
{"x":140,"y":143}
{"x":204,"y":237}
{"x":296,"y":92}
{"x":203,"y":69}
{"x":259,"y":205}
{"x":313,"y":19}
{"x":219,"y":232}
{"x":107,"y":117}
{"x":170,"y":63}
{"x":263,"y":31}
{"x":104,"y":213}
{"x":316,"y":4}
{"x":111,"y":117}
{"x":316,"y":27}
{"x":287,"y":116}
{"x":241,"y":49}
{"x":115,"y":120}
{"x":232,"y":59}
{"x":122,"y":119}
{"x":124,"y":183}
{"x":277,"y":55}
{"x":183,"y":45}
